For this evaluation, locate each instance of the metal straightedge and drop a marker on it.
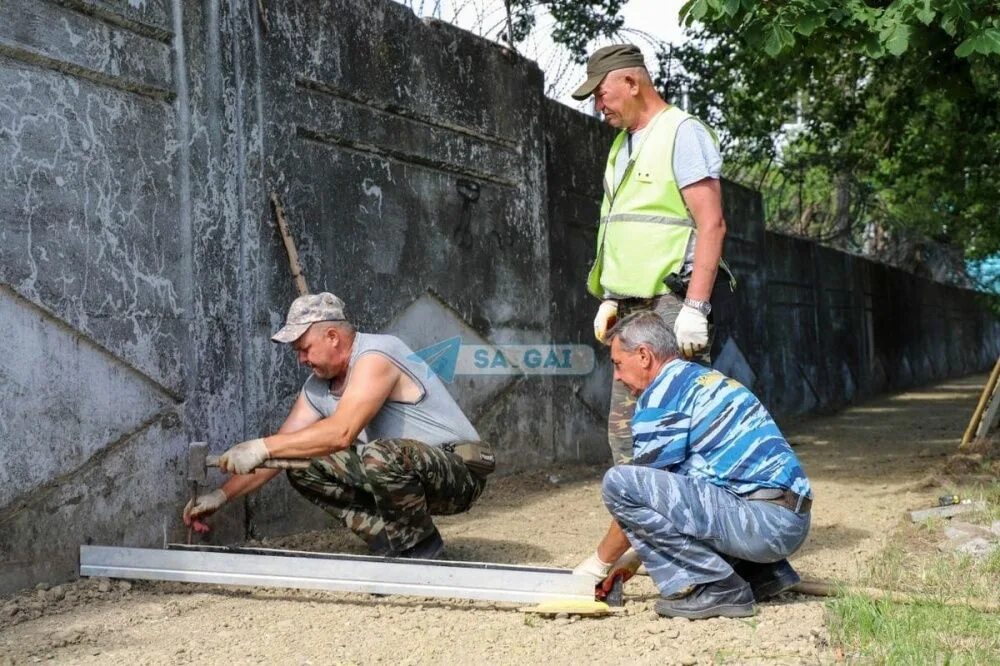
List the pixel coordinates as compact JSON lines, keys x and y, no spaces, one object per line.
{"x":339,"y":573}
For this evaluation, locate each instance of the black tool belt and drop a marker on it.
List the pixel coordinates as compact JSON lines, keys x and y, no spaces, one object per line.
{"x":477,"y":456}
{"x":786,"y":498}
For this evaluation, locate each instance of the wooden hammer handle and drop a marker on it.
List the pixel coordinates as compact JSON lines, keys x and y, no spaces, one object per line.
{"x":270,"y":463}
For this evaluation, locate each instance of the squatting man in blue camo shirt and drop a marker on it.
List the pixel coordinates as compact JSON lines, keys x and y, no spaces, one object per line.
{"x":714,"y":499}
{"x":421,"y":456}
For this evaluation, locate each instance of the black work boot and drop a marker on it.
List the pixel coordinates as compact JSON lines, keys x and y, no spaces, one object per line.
{"x":379,"y":545}
{"x":428,"y":548}
{"x":729,"y":597}
{"x":767,"y":580}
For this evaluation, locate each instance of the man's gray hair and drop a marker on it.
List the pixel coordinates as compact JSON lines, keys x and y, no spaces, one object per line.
{"x":645,"y":329}
{"x":343,"y":327}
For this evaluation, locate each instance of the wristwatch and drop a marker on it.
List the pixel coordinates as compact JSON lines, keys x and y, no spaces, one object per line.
{"x":703,"y":307}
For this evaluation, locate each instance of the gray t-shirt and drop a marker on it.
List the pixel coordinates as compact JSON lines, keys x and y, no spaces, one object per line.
{"x":695,"y":158}
{"x":434,"y":419}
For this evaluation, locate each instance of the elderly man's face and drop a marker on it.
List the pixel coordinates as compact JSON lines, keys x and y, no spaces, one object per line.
{"x":321,"y":349}
{"x":616,"y":100}
{"x":633,"y":368}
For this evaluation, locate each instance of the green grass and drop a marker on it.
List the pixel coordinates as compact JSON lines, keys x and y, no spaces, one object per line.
{"x":885,"y":632}
{"x":878,"y":631}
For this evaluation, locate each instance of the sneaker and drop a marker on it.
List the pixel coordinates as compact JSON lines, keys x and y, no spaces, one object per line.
{"x":429,"y":548}
{"x":767,"y":580}
{"x":729,"y":597}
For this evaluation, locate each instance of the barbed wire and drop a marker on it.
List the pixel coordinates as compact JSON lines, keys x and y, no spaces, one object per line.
{"x":488,"y":19}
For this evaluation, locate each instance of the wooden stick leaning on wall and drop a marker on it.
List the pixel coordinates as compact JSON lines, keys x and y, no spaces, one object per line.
{"x":988,"y":391}
{"x":286,"y":238}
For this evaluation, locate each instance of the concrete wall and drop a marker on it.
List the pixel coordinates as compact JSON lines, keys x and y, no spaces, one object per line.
{"x":141,"y":273}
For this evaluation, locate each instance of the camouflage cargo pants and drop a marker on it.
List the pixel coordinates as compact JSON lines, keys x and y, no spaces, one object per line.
{"x":668,"y":306}
{"x":387,"y":493}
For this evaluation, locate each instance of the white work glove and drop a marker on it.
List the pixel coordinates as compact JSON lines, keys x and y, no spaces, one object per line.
{"x":594,"y":567}
{"x":244,"y":457}
{"x":607,"y":316}
{"x":204,"y":506}
{"x":691,"y":331}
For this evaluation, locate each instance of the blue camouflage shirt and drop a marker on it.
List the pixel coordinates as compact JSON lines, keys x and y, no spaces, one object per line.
{"x":697,"y":422}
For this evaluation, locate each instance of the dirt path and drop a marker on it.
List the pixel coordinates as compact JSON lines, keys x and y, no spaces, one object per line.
{"x":864,"y":463}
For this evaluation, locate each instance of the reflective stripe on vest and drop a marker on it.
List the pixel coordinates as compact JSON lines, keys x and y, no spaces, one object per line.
{"x":645,"y":225}
{"x":648,"y":219}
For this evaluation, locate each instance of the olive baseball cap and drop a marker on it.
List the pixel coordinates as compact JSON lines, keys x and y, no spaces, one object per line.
{"x":608,"y":59}
{"x":306,"y":311}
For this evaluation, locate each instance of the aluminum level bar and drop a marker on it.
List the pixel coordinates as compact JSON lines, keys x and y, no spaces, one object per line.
{"x":339,"y":573}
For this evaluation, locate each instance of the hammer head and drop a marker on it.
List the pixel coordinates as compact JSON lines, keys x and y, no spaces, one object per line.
{"x":197,"y":462}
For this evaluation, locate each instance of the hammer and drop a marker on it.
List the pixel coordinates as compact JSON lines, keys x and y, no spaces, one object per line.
{"x":199,"y":461}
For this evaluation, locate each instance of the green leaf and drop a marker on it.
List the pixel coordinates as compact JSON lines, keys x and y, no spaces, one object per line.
{"x":806,"y":25}
{"x":950,"y":25}
{"x":773,"y":46}
{"x":966,"y":48}
{"x":872,"y":47}
{"x":784,"y":35}
{"x":897,"y":38}
{"x":926,"y":15}
{"x":731,"y":7}
{"x":694,"y":10}
{"x":986,"y":42}
{"x":991,"y":41}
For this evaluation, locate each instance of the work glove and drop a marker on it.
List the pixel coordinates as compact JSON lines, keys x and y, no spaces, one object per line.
{"x":244,"y":457}
{"x":594,"y":567}
{"x":691,"y":331}
{"x":623,"y":569}
{"x":607,"y":316}
{"x":203,"y":506}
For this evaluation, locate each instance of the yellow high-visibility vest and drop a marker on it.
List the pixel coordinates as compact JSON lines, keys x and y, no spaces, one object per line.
{"x":645,"y":226}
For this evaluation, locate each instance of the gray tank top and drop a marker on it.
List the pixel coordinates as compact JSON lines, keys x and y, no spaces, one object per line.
{"x":434,"y":419}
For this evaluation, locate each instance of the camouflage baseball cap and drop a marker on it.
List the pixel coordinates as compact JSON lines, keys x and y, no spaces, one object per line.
{"x":608,"y":59}
{"x":306,"y":311}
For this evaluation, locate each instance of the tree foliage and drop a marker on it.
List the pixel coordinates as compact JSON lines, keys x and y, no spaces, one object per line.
{"x":854,"y":118}
{"x":576,"y":23}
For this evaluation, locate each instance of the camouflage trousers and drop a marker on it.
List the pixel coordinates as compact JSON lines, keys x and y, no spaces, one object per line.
{"x":387,"y":492}
{"x":686,"y":530}
{"x":668,"y":306}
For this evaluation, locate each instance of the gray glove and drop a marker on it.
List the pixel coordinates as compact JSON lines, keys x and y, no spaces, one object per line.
{"x":204,"y":506}
{"x":244,"y":457}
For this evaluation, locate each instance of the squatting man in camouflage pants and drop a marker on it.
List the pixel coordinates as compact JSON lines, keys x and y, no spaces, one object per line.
{"x":385,"y":489}
{"x":714,"y":499}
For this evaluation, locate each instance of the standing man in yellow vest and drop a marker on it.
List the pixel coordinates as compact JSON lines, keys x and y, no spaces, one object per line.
{"x":659,"y":244}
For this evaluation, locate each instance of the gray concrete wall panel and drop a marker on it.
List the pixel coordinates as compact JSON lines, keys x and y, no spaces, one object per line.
{"x":49,"y":370}
{"x":128,"y":56}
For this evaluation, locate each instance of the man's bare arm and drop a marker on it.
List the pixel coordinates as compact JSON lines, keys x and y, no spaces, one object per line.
{"x":302,"y":415}
{"x":704,"y":201}
{"x":371,"y":382}
{"x":614,"y":544}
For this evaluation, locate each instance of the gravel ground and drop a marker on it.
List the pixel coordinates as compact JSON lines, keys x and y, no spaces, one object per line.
{"x":868,"y":464}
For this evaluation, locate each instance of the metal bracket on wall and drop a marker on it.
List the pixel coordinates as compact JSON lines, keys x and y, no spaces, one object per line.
{"x":338,"y":573}
{"x":469,"y":191}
